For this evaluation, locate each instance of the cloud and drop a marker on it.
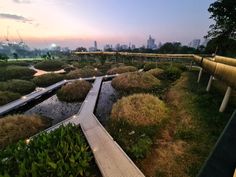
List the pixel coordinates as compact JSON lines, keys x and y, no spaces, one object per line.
{"x":15,"y":17}
{"x":21,"y":1}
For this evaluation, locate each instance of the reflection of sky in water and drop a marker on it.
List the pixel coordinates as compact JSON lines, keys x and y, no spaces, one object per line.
{"x":55,"y":109}
{"x":107,"y":97}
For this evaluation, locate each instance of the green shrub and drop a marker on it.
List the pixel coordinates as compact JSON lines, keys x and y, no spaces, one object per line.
{"x":139,"y":109}
{"x":135,"y":82}
{"x":84,"y":72}
{"x":149,"y":66}
{"x":16,"y":72}
{"x":63,"y":152}
{"x":155,"y":72}
{"x":122,"y":69}
{"x":16,"y":127}
{"x":171,"y":73}
{"x":74,"y":92}
{"x":50,"y":65}
{"x":16,"y":63}
{"x":7,"y":97}
{"x":47,"y":79}
{"x":20,"y":86}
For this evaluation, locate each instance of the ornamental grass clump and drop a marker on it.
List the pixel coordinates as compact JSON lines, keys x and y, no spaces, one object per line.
{"x":47,"y":79}
{"x":74,"y":92}
{"x":50,"y":65}
{"x":16,"y":127}
{"x":135,"y":82}
{"x":62,"y":152}
{"x":19,"y":86}
{"x":121,"y":69}
{"x":84,"y":72}
{"x":7,"y":97}
{"x":156,"y":72}
{"x":139,"y":109}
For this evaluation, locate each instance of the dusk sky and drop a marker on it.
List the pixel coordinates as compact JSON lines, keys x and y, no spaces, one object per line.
{"x":76,"y":23}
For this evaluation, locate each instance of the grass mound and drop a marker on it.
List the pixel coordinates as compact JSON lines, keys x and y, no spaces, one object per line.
{"x":63,"y":152}
{"x":155,"y":72}
{"x":139,"y":109}
{"x":149,"y":66}
{"x":7,"y":97}
{"x":74,"y":92}
{"x":20,"y":86}
{"x":135,"y":82}
{"x":50,"y":65}
{"x":16,"y":127}
{"x":122,"y":69}
{"x":84,"y":72}
{"x":47,"y":79}
{"x":16,"y":72}
{"x":171,"y":73}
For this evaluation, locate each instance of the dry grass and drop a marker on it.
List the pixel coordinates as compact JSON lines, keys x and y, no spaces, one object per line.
{"x":122,"y":69}
{"x":16,"y":127}
{"x":155,"y":72}
{"x":139,"y":109}
{"x":84,"y":72}
{"x":74,"y":92}
{"x":133,"y":82}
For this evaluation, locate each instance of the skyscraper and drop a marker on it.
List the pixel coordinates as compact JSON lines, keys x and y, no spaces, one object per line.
{"x":95,"y":45}
{"x":151,"y":43}
{"x":195,"y":43}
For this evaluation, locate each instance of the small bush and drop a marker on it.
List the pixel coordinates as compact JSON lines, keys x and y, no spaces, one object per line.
{"x":16,"y":72}
{"x":74,"y":92}
{"x":122,"y":69}
{"x":20,"y":86}
{"x":139,"y":109}
{"x":171,"y":73}
{"x":63,"y":152}
{"x":50,"y":65}
{"x":149,"y":66}
{"x":84,"y":72}
{"x":7,"y":97}
{"x":16,"y":127}
{"x":155,"y":72}
{"x":135,"y":82}
{"x":47,"y":79}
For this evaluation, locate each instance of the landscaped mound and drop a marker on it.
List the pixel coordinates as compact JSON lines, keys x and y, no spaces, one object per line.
{"x":135,"y":82}
{"x":139,"y":109}
{"x":63,"y":152}
{"x":16,"y":127}
{"x":122,"y":69}
{"x":155,"y":72}
{"x":47,"y":79}
{"x":84,"y":72}
{"x":20,"y":86}
{"x":74,"y":92}
{"x":149,"y":66}
{"x":7,"y":97}
{"x":172,"y":73}
{"x":16,"y":72}
{"x":50,"y":65}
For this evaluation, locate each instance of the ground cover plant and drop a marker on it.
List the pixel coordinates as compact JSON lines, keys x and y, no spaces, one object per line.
{"x":135,"y":82}
{"x":47,"y":79}
{"x":50,"y":65}
{"x":156,"y":72}
{"x":122,"y":69}
{"x":16,"y":127}
{"x":15,"y":72}
{"x":7,"y":97}
{"x":22,"y":87}
{"x":84,"y":72}
{"x":70,"y":155}
{"x":74,"y":92}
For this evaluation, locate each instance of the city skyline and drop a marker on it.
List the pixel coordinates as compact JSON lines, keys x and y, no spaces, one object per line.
{"x":79,"y":23}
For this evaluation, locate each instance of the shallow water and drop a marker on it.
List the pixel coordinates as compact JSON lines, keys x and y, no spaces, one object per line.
{"x":107,"y":97}
{"x":55,"y":109}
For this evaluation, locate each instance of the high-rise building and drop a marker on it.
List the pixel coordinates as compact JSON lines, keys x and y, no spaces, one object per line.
{"x":95,"y":45}
{"x":151,"y":43}
{"x":195,"y":43}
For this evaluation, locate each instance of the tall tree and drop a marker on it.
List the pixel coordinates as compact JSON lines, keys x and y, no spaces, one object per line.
{"x":223,"y":12}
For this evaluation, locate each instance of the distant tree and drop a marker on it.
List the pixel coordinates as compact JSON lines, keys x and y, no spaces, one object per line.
{"x":15,"y":55}
{"x":80,"y":49}
{"x":4,"y":57}
{"x":223,"y":12}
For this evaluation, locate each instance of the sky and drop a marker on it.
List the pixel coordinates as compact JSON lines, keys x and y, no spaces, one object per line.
{"x":76,"y":23}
